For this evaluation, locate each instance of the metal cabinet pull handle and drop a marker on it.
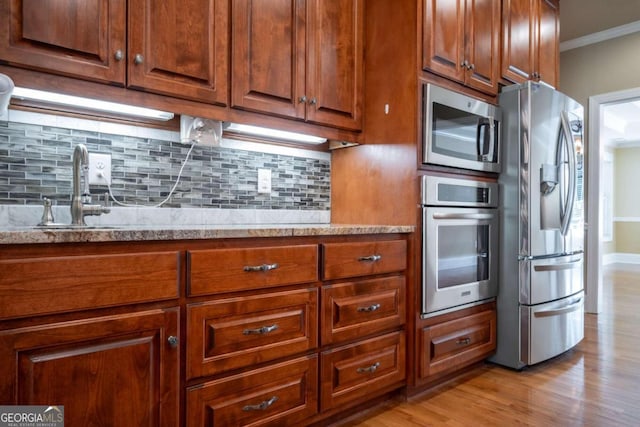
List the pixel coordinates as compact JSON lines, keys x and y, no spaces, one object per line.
{"x":464,"y":64}
{"x":369,"y":369}
{"x":263,"y":267}
{"x":372,"y":258}
{"x":463,"y":341}
{"x":302,"y":99}
{"x":260,"y":331}
{"x":173,"y":341}
{"x":369,"y":309}
{"x":138,"y":59}
{"x":262,"y":405}
{"x":313,"y":101}
{"x":471,"y":67}
{"x":118,"y":55}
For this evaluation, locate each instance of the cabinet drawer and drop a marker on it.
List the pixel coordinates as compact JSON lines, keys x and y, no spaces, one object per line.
{"x":363,"y":258}
{"x":32,"y":286}
{"x":279,"y":395}
{"x":359,"y":371}
{"x":239,"y":332}
{"x":355,"y":309}
{"x":454,"y":344}
{"x":226,"y":270}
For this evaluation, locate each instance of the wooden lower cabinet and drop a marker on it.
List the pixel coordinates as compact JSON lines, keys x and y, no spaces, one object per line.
{"x":354,"y":373}
{"x":283,"y":394}
{"x":120,"y":370}
{"x":239,"y":332}
{"x":453,"y":344}
{"x":355,"y":309}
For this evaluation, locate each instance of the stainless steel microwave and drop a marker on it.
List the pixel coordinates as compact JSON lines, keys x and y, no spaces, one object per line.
{"x":460,"y":131}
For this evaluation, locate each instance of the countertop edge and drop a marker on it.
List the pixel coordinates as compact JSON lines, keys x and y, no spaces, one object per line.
{"x":32,"y":235}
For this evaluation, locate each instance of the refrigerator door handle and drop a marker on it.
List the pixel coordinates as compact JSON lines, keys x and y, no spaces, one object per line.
{"x":558,"y":267}
{"x":558,"y":311}
{"x":571,"y":193}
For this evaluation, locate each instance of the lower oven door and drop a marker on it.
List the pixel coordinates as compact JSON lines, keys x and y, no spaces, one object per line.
{"x":459,"y":257}
{"x":551,"y":329}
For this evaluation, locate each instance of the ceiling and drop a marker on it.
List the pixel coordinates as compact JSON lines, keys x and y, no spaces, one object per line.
{"x":580,"y":18}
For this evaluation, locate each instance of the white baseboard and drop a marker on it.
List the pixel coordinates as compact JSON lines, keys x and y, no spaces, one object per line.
{"x":623,"y":258}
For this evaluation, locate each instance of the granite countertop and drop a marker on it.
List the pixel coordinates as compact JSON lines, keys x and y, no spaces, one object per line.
{"x":27,"y":235}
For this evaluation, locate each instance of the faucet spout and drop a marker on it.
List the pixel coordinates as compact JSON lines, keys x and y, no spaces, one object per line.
{"x":80,"y":196}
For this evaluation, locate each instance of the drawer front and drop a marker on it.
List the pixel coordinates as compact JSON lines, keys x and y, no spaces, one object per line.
{"x":239,"y":332}
{"x":363,"y":258}
{"x":357,"y":372}
{"x":279,"y":395}
{"x":31,"y":286}
{"x":452,"y":345}
{"x":356,"y":309}
{"x":227,"y":270}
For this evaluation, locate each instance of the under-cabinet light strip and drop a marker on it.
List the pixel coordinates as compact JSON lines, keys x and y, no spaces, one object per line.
{"x":90,"y":104}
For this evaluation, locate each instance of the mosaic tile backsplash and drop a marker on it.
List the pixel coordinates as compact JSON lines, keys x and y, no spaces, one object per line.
{"x":35,"y":162}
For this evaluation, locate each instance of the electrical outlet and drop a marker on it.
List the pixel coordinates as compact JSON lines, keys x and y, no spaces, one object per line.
{"x":264,"y":180}
{"x":99,"y":169}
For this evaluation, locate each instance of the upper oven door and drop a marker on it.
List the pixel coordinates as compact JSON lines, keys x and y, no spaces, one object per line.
{"x":460,"y":131}
{"x":460,"y":256}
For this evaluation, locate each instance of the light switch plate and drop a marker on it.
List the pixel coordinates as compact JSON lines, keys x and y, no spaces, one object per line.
{"x":264,"y":180}
{"x":99,"y":169}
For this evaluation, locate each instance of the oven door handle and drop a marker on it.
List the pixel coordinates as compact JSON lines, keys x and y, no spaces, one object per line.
{"x":448,"y":215}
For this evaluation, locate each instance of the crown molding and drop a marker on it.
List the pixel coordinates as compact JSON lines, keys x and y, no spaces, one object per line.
{"x":600,"y":36}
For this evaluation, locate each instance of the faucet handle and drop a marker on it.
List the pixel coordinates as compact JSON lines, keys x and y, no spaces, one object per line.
{"x":107,"y":200}
{"x":47,"y":214}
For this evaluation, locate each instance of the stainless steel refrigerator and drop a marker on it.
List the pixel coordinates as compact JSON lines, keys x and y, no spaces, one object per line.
{"x":541,"y":290}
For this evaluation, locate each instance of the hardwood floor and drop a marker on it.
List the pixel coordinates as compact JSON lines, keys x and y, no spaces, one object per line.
{"x":595,"y":384}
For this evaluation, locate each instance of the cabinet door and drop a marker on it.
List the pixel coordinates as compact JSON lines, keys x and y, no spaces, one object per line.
{"x":118,"y":370}
{"x":335,"y":55}
{"x":360,"y":371}
{"x":548,"y":50}
{"x":78,"y":38}
{"x":483,"y":44}
{"x":268,"y":56}
{"x":179,"y":48}
{"x":452,"y":345}
{"x":518,"y":39}
{"x":284,"y":394}
{"x":443,"y":38}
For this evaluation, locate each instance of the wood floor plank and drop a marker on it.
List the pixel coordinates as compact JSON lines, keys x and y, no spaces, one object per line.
{"x":595,"y":384}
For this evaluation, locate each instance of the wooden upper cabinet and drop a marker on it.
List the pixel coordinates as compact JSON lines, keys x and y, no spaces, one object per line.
{"x":335,"y":55}
{"x":175,"y":48}
{"x":179,"y":48}
{"x":461,"y":41}
{"x":530,"y":48}
{"x":300,"y":59}
{"x":77,"y":38}
{"x":268,"y":56}
{"x":548,"y":52}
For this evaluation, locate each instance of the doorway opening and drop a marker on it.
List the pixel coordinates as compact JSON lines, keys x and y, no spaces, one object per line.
{"x":608,"y":113}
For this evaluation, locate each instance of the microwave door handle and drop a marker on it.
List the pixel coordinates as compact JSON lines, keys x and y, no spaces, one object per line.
{"x":480,"y":140}
{"x":571,"y":193}
{"x":492,"y":134}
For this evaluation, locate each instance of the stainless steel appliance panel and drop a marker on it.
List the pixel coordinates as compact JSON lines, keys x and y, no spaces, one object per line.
{"x":551,"y":329}
{"x":460,"y":131}
{"x":460,"y":257}
{"x":548,"y":279}
{"x":443,"y":191}
{"x":548,"y":158}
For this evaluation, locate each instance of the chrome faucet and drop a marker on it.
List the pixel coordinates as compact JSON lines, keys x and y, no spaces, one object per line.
{"x":80,"y":198}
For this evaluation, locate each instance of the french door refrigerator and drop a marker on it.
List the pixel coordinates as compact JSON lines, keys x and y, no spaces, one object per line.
{"x":541,"y":292}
